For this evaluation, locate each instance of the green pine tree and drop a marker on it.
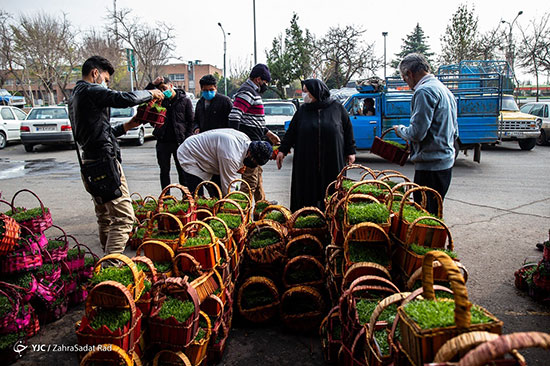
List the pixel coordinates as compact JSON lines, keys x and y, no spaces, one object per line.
{"x":414,"y":42}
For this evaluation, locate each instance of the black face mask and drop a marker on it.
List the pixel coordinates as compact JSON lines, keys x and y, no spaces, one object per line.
{"x":249,"y":162}
{"x":263,"y":88}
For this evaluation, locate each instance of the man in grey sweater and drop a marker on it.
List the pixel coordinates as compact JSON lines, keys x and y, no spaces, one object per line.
{"x":433,"y":127}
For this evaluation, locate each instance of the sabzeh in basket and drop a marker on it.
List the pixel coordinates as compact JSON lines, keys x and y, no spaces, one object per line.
{"x":422,"y":333}
{"x":309,"y":220}
{"x":110,"y":316}
{"x":302,"y":308}
{"x":265,"y":242}
{"x":342,"y":180}
{"x":152,"y":113}
{"x":204,"y":202}
{"x":258,"y":299}
{"x":144,"y":208}
{"x":196,"y":351}
{"x":184,"y":209}
{"x":359,"y":248}
{"x":359,"y":207}
{"x":304,"y":270}
{"x":236,"y":193}
{"x":390,"y":150}
{"x":174,"y":321}
{"x":172,"y":238}
{"x":200,"y":242}
{"x":36,"y":219}
{"x":145,"y":300}
{"x":235,"y":218}
{"x":160,"y":254}
{"x":135,"y":284}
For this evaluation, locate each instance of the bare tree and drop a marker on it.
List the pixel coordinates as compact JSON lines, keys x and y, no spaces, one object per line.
{"x":460,"y":41}
{"x":342,"y":54}
{"x":152,"y":45}
{"x":533,"y":54}
{"x":49,"y":48}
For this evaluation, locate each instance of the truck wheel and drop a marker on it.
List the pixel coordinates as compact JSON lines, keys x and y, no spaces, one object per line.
{"x":28,"y":147}
{"x":141,"y":138}
{"x":527,"y":144}
{"x":3,"y":140}
{"x":542,"y":139}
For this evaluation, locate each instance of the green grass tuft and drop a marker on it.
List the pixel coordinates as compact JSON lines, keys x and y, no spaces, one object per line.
{"x":377,"y":213}
{"x":309,"y":221}
{"x":263,"y":238}
{"x":112,"y":318}
{"x":430,"y":314}
{"x":174,"y":307}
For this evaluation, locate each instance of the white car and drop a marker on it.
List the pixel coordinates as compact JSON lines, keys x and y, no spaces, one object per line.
{"x":46,"y":126}
{"x":136,"y":134}
{"x":541,"y":110}
{"x":10,"y":124}
{"x":276,"y":114}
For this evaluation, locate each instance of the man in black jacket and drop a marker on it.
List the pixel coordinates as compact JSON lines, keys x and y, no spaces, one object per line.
{"x":89,"y":112}
{"x":177,"y":126}
{"x":212,"y":110}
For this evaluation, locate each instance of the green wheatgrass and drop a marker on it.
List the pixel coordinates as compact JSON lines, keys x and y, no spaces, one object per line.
{"x":9,"y":340}
{"x":197,"y":241}
{"x":303,"y":276}
{"x":231,"y":206}
{"x":46,"y":269}
{"x":20,"y":279}
{"x":166,"y":236}
{"x":208,"y":202}
{"x":174,"y":307}
{"x":112,"y":318}
{"x":368,"y":252}
{"x":89,"y":261}
{"x":74,"y":253}
{"x":275,"y":216}
{"x":421,"y":250}
{"x":263,"y":238}
{"x":410,"y":213}
{"x":122,"y":275}
{"x":396,"y":144}
{"x":217,"y":227}
{"x":55,"y":244}
{"x":256,"y":295}
{"x":5,"y":305}
{"x":438,"y":293}
{"x":200,"y":335}
{"x":21,"y":214}
{"x":369,"y":189}
{"x":359,"y":212}
{"x":236,"y":196}
{"x":178,"y":207}
{"x":232,"y":221}
{"x":260,"y":206}
{"x":309,"y":221}
{"x":163,"y":267}
{"x":430,"y":314}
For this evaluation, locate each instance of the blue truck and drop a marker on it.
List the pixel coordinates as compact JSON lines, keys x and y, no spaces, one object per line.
{"x":478,"y":99}
{"x":12,"y":100}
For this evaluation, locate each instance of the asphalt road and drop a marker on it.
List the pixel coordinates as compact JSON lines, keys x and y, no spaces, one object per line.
{"x":497,"y":211}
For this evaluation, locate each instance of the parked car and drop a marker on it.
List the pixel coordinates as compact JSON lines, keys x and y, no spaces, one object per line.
{"x":46,"y":126}
{"x":136,"y":134}
{"x":14,"y":100}
{"x":276,"y":114}
{"x":10,"y":123}
{"x":540,"y":109}
{"x":517,"y":126}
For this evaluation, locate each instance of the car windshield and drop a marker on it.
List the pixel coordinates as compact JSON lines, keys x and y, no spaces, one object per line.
{"x":48,"y":113}
{"x":4,"y":92}
{"x":121,"y":112}
{"x":279,"y":109}
{"x":509,"y":104}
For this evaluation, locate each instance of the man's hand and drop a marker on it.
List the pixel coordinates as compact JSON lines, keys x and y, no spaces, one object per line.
{"x":157,"y":94}
{"x":158,"y":80}
{"x":280,"y":158}
{"x":350,"y":159}
{"x":131,"y":124}
{"x":275,"y":140}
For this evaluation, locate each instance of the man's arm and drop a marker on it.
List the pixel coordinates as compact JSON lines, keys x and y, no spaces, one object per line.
{"x":421,"y":118}
{"x":228,"y":169}
{"x":240,"y":106}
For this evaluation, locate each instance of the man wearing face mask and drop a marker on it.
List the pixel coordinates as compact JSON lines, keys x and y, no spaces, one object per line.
{"x":212,"y":109}
{"x":177,"y":126}
{"x":223,"y":152}
{"x":248,"y":116}
{"x":89,"y":112}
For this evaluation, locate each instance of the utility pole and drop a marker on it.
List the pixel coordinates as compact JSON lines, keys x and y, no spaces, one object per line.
{"x":254,"y":15}
{"x":384,"y":34}
{"x":224,"y":54}
{"x":116,"y":23}
{"x":510,"y":53}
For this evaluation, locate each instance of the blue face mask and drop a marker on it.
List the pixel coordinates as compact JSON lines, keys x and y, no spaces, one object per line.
{"x":209,"y":95}
{"x":167,"y":93}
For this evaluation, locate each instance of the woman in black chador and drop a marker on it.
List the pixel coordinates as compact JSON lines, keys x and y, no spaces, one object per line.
{"x":322,"y":137}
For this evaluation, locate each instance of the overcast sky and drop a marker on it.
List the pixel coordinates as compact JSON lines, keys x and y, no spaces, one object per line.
{"x":198,"y":36}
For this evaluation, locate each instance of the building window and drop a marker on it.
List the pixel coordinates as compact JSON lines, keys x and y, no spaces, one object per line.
{"x":176,"y":77}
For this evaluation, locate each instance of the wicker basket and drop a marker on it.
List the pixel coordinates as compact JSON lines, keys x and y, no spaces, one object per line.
{"x":388,"y":151}
{"x":259,"y":207}
{"x":142,"y":212}
{"x":304,"y":264}
{"x":109,"y":355}
{"x":386,"y":196}
{"x":320,"y":233}
{"x":196,"y":351}
{"x":76,"y":264}
{"x":238,"y":233}
{"x":144,"y":302}
{"x":262,"y":313}
{"x":213,"y":306}
{"x":227,"y":240}
{"x":37,"y":224}
{"x":172,"y":358}
{"x":368,"y":234}
{"x":363,"y":269}
{"x":147,"y":114}
{"x":213,"y":197}
{"x":270,"y":254}
{"x":438,"y":273}
{"x":330,"y":332}
{"x":334,"y":271}
{"x":59,"y":254}
{"x":136,"y":288}
{"x":185,"y":217}
{"x":186,"y":265}
{"x":208,"y":255}
{"x":165,"y":219}
{"x":285,"y":212}
{"x":109,"y":295}
{"x":305,"y":320}
{"x":353,"y":353}
{"x":209,"y":283}
{"x":407,"y":260}
{"x":330,"y":196}
{"x":458,"y":346}
{"x":421,"y":345}
{"x":10,"y":234}
{"x":342,"y":177}
{"x":24,"y":257}
{"x":359,"y":235}
{"x":305,"y":245}
{"x":169,"y":332}
{"x":157,"y":251}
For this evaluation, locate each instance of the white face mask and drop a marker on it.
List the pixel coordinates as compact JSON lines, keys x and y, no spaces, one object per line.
{"x":307,"y":98}
{"x":102,"y":84}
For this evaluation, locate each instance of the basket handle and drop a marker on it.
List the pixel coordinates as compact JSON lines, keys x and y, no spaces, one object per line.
{"x":397,"y":187}
{"x":127,"y":296}
{"x":390,"y":300}
{"x":342,"y":173}
{"x":127,"y":261}
{"x":306,"y":210}
{"x":423,"y":189}
{"x":179,"y":354}
{"x":147,"y":261}
{"x":461,"y":343}
{"x":387,"y":172}
{"x":362,"y":225}
{"x":373,"y":174}
{"x":219,"y":206}
{"x":114,"y":348}
{"x":188,"y":257}
{"x":151,"y":225}
{"x":239,"y":180}
{"x":409,"y":238}
{"x":204,"y":183}
{"x":7,"y":203}
{"x":503,"y":345}
{"x":150,"y":243}
{"x":283,"y":210}
{"x":214,"y":218}
{"x":136,"y":194}
{"x":308,"y":237}
{"x":305,"y":258}
{"x":390,"y":130}
{"x":31,"y":192}
{"x":248,"y":199}
{"x":332,"y":185}
{"x":263,"y":224}
{"x":373,"y":182}
{"x":462,"y":304}
{"x":183,"y":189}
{"x":418,"y":272}
{"x":370,"y":280}
{"x":200,"y":223}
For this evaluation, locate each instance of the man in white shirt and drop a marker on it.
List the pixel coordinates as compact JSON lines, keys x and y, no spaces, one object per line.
{"x":223,"y":151}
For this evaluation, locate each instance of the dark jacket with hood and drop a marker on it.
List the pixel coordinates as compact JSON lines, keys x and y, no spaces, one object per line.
{"x":322,"y":137}
{"x":90,"y":112}
{"x":215,"y":116}
{"x":178,"y":124}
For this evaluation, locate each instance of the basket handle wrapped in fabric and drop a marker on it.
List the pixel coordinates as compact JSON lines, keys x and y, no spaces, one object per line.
{"x":218,"y":207}
{"x":156,"y":250}
{"x":409,"y":238}
{"x":306,"y":211}
{"x":242,"y":181}
{"x":205,"y":183}
{"x":504,"y":344}
{"x":174,"y":356}
{"x":423,"y":189}
{"x":388,"y":200}
{"x":114,"y":349}
{"x":417,"y":274}
{"x":137,"y":275}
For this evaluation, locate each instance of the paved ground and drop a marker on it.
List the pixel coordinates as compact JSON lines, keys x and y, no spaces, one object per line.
{"x":497,"y":211}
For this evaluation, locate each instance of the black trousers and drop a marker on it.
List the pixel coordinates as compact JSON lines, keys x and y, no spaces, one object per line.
{"x":192,"y":182}
{"x":439,"y":180}
{"x":165,"y":151}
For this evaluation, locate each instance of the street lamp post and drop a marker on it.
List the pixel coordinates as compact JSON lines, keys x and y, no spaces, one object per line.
{"x":510,"y":53}
{"x":224,"y":54}
{"x":384,"y":34}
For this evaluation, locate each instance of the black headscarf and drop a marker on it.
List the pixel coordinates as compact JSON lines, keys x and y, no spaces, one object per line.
{"x":319,"y":90}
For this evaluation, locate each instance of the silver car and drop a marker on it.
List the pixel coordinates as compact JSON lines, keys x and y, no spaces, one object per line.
{"x":46,"y":126}
{"x":541,"y":110}
{"x":10,"y":124}
{"x":136,"y":134}
{"x":276,"y":114}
